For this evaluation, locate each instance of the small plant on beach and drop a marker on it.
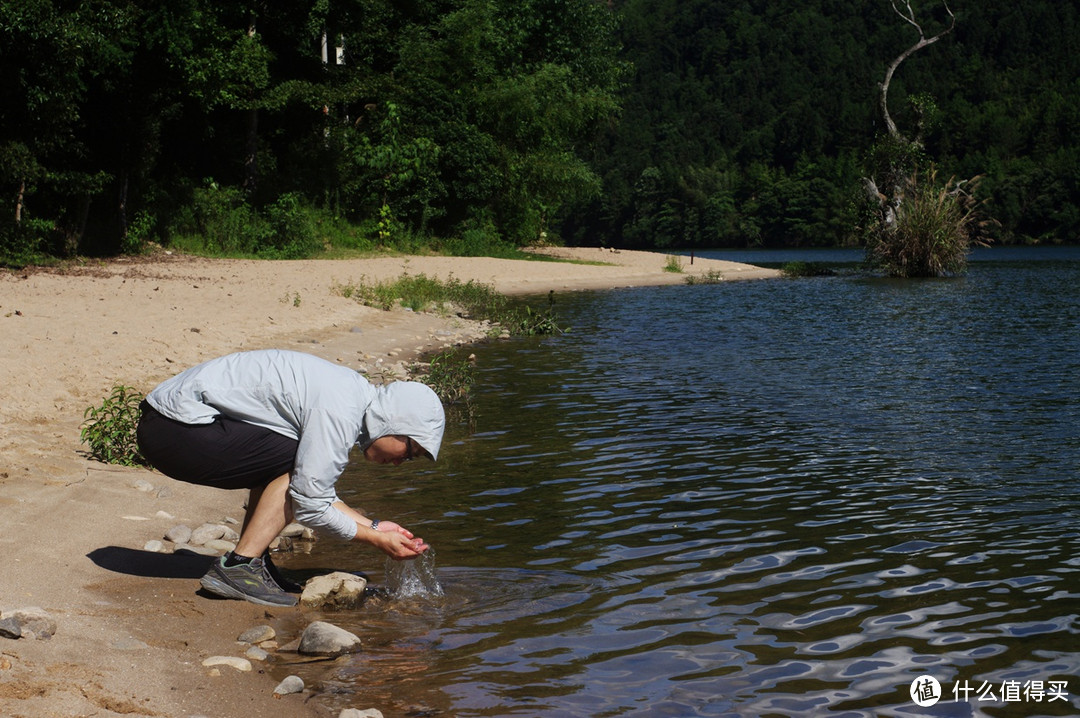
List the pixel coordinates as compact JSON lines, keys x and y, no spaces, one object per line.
{"x":713,"y":276}
{"x":109,"y":429}
{"x":674,"y":264}
{"x":450,"y":377}
{"x":526,"y":321}
{"x":470,"y":299}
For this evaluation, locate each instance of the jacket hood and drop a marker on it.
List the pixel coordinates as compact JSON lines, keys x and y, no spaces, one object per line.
{"x":405,"y":408}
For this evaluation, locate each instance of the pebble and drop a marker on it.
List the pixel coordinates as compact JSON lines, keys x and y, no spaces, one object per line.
{"x":357,"y":713}
{"x":257,"y":634}
{"x":219,"y":545}
{"x":200,"y":550}
{"x":178,"y":534}
{"x":154,"y":546}
{"x":240,"y":664}
{"x":206,"y":532}
{"x":256,"y":654}
{"x":143,"y":485}
{"x":291,"y":684}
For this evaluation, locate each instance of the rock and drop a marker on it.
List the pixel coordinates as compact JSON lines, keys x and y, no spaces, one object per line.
{"x":32,"y":622}
{"x":154,"y":546}
{"x":256,"y":654}
{"x":143,"y":485}
{"x":206,"y":532}
{"x":335,"y":590}
{"x":258,"y":634}
{"x":357,"y":713}
{"x":291,"y":684}
{"x":178,"y":534}
{"x":240,"y":664}
{"x":10,"y":628}
{"x":326,"y":639}
{"x":293,"y":530}
{"x":200,"y":550}
{"x":219,"y":545}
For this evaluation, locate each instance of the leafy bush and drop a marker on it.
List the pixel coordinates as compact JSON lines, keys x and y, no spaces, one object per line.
{"x":109,"y":429}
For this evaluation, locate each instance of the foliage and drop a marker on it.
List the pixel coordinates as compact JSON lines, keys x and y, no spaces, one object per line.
{"x":470,"y":299}
{"x":524,"y":320}
{"x":673,"y":264}
{"x":713,"y":276}
{"x":450,"y":377}
{"x":748,"y":123}
{"x":475,"y":127}
{"x":109,"y":429}
{"x":423,"y":119}
{"x":806,"y":269}
{"x":934,"y":229}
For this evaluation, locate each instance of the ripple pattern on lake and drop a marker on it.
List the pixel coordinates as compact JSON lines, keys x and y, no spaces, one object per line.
{"x":783,"y":497}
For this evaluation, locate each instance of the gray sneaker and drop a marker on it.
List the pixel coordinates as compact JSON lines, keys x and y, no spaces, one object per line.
{"x":250,"y":582}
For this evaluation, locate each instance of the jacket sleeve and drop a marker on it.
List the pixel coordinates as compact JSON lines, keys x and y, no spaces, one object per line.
{"x":321,"y":457}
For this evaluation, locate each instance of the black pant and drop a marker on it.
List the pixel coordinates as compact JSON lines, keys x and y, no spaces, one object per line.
{"x":227,"y":453}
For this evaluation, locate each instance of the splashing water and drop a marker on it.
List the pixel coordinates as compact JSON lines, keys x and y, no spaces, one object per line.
{"x":413,"y":579}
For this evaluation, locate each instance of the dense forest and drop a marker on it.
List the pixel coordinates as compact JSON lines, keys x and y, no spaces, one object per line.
{"x":277,"y":128}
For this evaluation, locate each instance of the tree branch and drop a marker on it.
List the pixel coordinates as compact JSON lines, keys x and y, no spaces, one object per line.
{"x":909,"y":16}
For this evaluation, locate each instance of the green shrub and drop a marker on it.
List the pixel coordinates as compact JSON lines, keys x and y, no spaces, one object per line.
{"x":471,"y":299}
{"x":806,"y":269}
{"x":673,"y":264}
{"x":933,"y":231}
{"x":450,"y":377}
{"x":713,"y":276}
{"x":109,"y":429}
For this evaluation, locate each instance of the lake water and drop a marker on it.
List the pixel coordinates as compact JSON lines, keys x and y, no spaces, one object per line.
{"x":779,"y":497}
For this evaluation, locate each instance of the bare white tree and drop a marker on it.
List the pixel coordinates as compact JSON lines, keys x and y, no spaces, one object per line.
{"x":909,"y":16}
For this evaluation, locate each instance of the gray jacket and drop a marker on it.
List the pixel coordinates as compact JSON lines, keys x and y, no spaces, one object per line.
{"x":326,"y":407}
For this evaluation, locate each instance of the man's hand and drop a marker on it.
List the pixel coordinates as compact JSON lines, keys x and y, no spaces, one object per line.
{"x":398,"y":542}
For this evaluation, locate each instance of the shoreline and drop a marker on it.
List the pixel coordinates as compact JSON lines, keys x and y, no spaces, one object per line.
{"x":132,"y":630}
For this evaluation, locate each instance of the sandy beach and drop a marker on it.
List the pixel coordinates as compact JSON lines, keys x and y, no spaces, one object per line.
{"x":132,"y":628}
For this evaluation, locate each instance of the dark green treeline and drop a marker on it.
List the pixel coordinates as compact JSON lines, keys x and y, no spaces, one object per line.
{"x":475,"y":123}
{"x":750,"y":122}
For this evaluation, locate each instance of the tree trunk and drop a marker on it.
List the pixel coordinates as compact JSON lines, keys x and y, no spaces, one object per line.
{"x":909,"y":16}
{"x":20,"y":198}
{"x":251,"y":146}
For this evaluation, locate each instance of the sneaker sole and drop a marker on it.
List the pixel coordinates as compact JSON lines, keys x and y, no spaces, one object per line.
{"x":220,"y":588}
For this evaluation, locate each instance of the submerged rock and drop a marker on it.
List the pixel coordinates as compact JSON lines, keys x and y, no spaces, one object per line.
{"x":334,"y":590}
{"x":326,"y":639}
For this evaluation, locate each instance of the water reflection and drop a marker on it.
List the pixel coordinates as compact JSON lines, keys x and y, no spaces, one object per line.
{"x":746,"y":499}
